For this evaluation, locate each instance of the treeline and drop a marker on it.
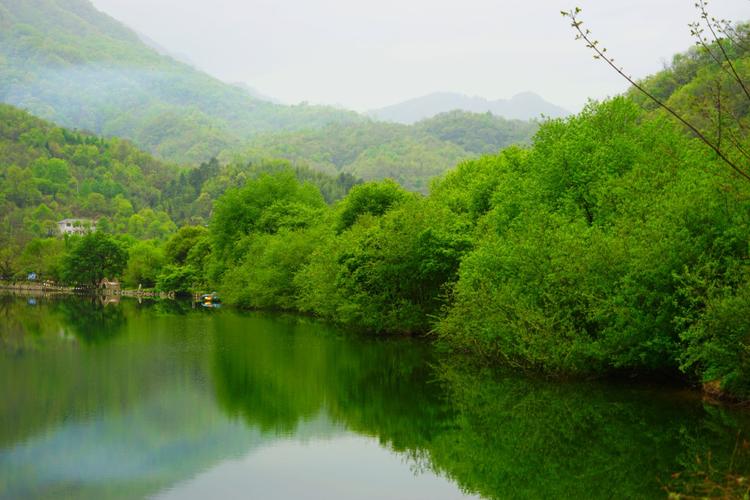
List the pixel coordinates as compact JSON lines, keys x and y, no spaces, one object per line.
{"x":49,"y":173}
{"x":412,"y":155}
{"x":616,"y":243}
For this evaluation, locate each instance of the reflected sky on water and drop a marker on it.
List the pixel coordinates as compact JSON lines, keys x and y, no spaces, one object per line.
{"x":158,"y":399}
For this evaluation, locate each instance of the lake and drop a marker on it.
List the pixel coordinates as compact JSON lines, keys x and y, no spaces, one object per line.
{"x":163,"y":400}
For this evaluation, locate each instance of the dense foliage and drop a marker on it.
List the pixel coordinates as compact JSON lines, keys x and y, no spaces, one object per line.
{"x":477,"y":133}
{"x":92,"y":258}
{"x":411,"y":155}
{"x":48,"y":173}
{"x":616,"y":242}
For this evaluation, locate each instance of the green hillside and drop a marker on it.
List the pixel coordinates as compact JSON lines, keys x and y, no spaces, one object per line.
{"x":411,"y":155}
{"x":616,"y":242}
{"x":67,"y":62}
{"x":48,"y":173}
{"x":64,"y":61}
{"x":523,"y":106}
{"x":478,"y":133}
{"x":707,"y":94}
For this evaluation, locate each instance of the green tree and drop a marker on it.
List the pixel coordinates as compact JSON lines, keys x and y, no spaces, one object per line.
{"x":145,"y":261}
{"x":265,"y":278}
{"x":179,"y":245}
{"x":721,"y":47}
{"x":43,"y":256}
{"x":374,"y":198}
{"x":387,"y":273}
{"x":179,"y":279}
{"x":93,"y":257}
{"x":263,"y":205}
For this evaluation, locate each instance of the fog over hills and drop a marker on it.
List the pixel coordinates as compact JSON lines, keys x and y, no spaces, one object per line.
{"x":523,"y":106}
{"x":67,"y":62}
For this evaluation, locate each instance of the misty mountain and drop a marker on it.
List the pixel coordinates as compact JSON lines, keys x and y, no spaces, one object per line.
{"x":65,"y":61}
{"x":177,"y":56}
{"x":257,"y":94}
{"x":523,"y":106}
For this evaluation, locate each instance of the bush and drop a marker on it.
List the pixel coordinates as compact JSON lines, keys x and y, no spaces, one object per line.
{"x":178,"y":279}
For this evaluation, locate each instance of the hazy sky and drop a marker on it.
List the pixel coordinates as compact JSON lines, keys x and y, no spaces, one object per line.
{"x":365,"y":54}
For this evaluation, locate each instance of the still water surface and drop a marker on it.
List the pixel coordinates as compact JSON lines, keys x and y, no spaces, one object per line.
{"x":160,"y":400}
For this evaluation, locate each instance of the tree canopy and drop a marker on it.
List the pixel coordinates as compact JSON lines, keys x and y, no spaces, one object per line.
{"x":92,"y":258}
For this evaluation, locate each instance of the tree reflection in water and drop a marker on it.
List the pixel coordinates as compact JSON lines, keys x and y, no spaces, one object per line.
{"x":161,"y":391}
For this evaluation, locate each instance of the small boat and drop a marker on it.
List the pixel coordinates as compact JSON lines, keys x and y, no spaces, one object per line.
{"x":210,"y":300}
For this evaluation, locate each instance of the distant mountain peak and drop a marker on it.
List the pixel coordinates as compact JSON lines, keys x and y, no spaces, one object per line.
{"x":522,"y":106}
{"x":527,"y":96}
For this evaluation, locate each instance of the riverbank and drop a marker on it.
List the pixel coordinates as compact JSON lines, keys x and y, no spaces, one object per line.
{"x":48,"y":288}
{"x":711,"y":392}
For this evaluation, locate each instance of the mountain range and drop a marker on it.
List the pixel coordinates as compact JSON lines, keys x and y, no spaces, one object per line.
{"x":523,"y":106}
{"x":67,"y":62}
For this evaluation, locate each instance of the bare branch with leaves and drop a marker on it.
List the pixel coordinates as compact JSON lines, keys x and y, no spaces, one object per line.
{"x":718,"y":29}
{"x":600,"y":52}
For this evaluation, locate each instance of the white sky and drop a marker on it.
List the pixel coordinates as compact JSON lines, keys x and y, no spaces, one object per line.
{"x":364,"y":54}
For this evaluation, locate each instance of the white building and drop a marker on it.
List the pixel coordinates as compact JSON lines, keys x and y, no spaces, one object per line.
{"x":76,"y":226}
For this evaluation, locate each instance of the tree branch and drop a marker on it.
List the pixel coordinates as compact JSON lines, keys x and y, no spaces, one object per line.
{"x":600,"y":53}
{"x":717,"y":39}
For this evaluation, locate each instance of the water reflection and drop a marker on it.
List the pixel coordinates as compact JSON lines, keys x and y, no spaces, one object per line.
{"x":138,"y":399}
{"x":276,"y":372}
{"x":527,"y":438}
{"x":90,"y":319}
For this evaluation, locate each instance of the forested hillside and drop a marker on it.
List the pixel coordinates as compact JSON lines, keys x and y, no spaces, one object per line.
{"x":478,"y":133}
{"x":523,"y":106}
{"x":65,"y":61}
{"x":411,"y":155}
{"x":48,"y":173}
{"x":616,"y":242}
{"x":708,"y":94}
